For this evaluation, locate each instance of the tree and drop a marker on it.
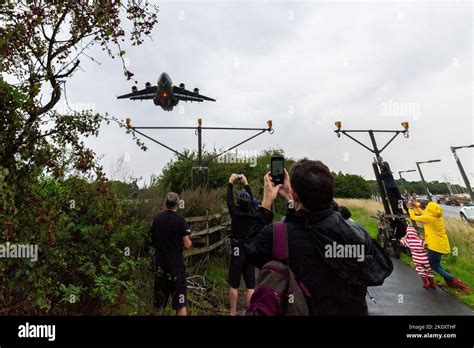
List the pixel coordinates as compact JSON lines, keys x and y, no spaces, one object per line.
{"x":81,"y":227}
{"x":41,"y":44}
{"x":351,"y":186}
{"x":176,"y":176}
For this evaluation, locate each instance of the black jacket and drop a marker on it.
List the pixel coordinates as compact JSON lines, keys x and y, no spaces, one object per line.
{"x":331,"y":294}
{"x":242,"y":218}
{"x":167,"y":232}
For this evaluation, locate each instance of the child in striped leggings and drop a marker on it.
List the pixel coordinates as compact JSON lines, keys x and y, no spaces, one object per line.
{"x":419,"y":256}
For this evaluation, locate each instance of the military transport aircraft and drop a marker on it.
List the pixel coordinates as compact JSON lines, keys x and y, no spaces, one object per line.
{"x":165,"y":94}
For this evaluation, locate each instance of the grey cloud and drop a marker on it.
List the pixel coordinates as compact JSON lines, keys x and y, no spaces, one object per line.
{"x":323,"y":61}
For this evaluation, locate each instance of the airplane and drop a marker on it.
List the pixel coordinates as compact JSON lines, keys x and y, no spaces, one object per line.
{"x":165,"y":94}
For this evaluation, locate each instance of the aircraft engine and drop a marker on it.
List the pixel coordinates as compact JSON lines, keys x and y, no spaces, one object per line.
{"x":181,"y":85}
{"x":147,"y":85}
{"x":196,"y":90}
{"x":134,"y":89}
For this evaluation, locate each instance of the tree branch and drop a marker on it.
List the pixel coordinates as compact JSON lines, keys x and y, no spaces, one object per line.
{"x":70,"y":71}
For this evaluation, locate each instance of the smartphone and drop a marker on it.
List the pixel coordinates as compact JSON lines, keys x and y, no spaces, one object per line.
{"x":277,"y":165}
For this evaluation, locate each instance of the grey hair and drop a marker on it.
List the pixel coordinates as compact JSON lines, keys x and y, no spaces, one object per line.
{"x":172,"y":200}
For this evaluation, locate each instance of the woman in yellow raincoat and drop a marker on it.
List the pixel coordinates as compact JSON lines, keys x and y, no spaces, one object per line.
{"x":436,"y":239}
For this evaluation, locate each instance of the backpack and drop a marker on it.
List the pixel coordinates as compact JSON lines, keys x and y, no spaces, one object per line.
{"x":278,"y":293}
{"x":376,"y":266}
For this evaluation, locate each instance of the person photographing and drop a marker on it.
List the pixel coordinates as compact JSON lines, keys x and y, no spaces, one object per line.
{"x":312,"y":227}
{"x":242,"y":216}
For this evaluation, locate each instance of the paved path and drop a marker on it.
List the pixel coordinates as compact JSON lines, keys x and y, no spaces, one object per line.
{"x":405,"y":281}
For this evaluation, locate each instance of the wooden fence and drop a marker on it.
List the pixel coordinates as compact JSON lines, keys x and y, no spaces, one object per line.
{"x":208,"y":232}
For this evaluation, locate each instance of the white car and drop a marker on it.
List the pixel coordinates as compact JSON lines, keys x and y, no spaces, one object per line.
{"x":467,"y":212}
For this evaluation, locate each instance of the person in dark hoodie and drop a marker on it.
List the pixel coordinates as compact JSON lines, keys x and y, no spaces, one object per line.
{"x":337,"y":284}
{"x":242,"y":218}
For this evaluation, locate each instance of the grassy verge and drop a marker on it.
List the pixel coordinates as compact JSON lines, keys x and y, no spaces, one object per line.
{"x":209,"y":297}
{"x":360,"y":215}
{"x":362,"y":211}
{"x":460,"y":262}
{"x":214,"y":300}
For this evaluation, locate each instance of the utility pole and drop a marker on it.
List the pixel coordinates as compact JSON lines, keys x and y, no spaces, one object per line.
{"x":450,"y":189}
{"x":461,"y":168}
{"x":401,"y":177}
{"x":428,"y":193}
{"x":199,"y":134}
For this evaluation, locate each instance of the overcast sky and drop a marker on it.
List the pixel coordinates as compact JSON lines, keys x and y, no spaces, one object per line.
{"x":304,"y":65}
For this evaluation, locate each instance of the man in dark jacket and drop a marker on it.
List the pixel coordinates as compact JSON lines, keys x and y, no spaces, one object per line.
{"x":311,"y":222}
{"x":242,"y":218}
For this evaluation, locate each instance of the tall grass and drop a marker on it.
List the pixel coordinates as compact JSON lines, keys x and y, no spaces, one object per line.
{"x":214,"y":301}
{"x":460,"y":262}
{"x":369,"y":205}
{"x":363,"y":211}
{"x":199,"y":202}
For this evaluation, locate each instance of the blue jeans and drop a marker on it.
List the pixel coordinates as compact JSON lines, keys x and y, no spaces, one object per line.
{"x":435,"y":260}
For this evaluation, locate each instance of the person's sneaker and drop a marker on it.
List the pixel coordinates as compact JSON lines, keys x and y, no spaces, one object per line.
{"x":451,"y":283}
{"x":461,"y":286}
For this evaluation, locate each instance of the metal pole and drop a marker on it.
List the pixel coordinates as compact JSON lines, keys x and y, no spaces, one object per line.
{"x":463,"y":173}
{"x":199,"y":130}
{"x":383,"y":195}
{"x":159,"y":143}
{"x":449,"y":185}
{"x":423,"y":181}
{"x":375,"y":165}
{"x":374,"y":143}
{"x":233,"y":147}
{"x":401,"y":179}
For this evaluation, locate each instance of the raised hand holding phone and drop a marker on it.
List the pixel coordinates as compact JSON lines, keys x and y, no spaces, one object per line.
{"x":270,"y":191}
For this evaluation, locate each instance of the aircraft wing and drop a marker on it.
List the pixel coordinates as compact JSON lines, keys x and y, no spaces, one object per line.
{"x":146,"y":93}
{"x":185,"y":95}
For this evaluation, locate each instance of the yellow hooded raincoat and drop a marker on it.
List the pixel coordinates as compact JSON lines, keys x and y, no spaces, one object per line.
{"x":433,"y":224}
